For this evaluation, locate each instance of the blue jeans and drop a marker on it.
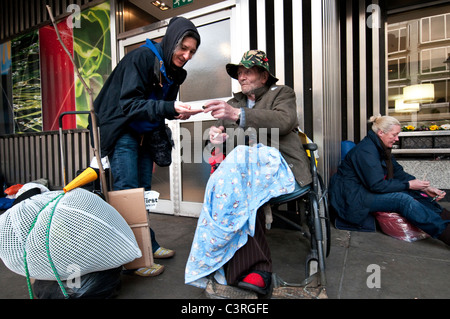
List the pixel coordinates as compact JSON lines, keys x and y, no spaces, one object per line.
{"x":131,"y":167}
{"x":131,"y":164}
{"x":420,"y":212}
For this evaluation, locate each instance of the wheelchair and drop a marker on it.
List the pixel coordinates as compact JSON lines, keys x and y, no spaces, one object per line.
{"x":307,"y":211}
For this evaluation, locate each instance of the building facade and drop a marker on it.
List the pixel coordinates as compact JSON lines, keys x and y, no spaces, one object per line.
{"x":346,"y":60}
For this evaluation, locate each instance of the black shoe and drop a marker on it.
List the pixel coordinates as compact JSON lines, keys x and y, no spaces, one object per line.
{"x":445,"y":236}
{"x":249,"y":282}
{"x":445,"y":215}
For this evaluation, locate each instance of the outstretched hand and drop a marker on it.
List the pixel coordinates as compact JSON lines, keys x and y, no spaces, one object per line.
{"x":185,"y":111}
{"x":222,"y":110}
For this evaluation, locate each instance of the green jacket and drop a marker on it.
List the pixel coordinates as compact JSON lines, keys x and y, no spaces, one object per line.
{"x":275,"y":108}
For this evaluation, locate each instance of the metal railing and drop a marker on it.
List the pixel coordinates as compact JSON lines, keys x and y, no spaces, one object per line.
{"x":28,"y":157}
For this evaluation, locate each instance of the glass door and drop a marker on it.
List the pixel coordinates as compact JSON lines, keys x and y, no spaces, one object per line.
{"x":181,"y":186}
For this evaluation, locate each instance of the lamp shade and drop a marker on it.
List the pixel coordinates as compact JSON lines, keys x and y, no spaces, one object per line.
{"x":418,"y":93}
{"x":402,"y":107}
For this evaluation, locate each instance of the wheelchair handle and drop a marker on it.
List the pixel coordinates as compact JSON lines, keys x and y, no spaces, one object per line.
{"x":310,"y":146}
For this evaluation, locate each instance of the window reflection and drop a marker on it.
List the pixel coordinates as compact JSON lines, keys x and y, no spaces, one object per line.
{"x":132,"y":17}
{"x":438,"y":28}
{"x":207,"y":77}
{"x":418,"y":43}
{"x":161,"y":181}
{"x":195,"y":170}
{"x":397,"y":39}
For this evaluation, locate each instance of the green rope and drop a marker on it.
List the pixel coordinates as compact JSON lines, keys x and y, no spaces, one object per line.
{"x":47,"y":246}
{"x":30,"y":290}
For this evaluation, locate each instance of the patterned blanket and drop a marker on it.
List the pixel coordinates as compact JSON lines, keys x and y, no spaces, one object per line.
{"x":244,"y":181}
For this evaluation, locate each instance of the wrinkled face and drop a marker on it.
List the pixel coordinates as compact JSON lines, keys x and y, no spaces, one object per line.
{"x":184,"y":52}
{"x":389,"y":138}
{"x":251,"y":79}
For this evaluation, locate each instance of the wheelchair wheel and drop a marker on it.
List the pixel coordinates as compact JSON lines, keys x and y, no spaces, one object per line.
{"x":315,"y":259}
{"x":325,"y":216}
{"x":319,"y":227}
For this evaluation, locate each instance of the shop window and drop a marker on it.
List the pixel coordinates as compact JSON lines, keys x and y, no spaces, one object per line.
{"x":26,"y":83}
{"x":397,"y":69}
{"x":6,"y":110}
{"x":447,"y":26}
{"x":133,"y":17}
{"x":92,"y":54}
{"x":394,"y":93}
{"x":418,"y":45}
{"x":44,"y":83}
{"x":435,"y":28}
{"x":397,"y":40}
{"x":431,"y":60}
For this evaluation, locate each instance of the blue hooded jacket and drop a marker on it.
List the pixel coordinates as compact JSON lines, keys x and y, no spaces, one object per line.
{"x":133,"y":93}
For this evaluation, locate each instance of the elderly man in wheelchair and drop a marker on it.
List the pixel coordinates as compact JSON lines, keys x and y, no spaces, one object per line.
{"x":230,"y":237}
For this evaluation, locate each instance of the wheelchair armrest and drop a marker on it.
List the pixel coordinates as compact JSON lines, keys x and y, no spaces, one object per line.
{"x":310,"y":146}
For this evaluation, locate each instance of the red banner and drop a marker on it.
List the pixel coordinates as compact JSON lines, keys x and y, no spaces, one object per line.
{"x":57,"y":77}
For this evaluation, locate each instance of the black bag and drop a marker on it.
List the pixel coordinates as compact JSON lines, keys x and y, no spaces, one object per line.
{"x":97,"y":285}
{"x":160,"y":143}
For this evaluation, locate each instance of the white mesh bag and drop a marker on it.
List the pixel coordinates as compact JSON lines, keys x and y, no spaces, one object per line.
{"x":55,"y":232}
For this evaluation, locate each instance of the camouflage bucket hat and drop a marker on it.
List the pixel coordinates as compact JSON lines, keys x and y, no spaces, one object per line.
{"x":250,"y":59}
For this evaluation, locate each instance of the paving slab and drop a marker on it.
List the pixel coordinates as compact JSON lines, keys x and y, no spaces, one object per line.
{"x":360,"y":266}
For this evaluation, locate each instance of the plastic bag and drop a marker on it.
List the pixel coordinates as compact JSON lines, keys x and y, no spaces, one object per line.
{"x":97,"y":285}
{"x":6,"y":203}
{"x":395,"y":225}
{"x":12,"y":190}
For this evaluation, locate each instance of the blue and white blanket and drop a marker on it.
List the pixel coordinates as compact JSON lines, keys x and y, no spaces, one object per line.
{"x":244,"y":181}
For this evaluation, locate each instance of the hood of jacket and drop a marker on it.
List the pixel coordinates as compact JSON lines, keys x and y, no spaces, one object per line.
{"x":178,"y":26}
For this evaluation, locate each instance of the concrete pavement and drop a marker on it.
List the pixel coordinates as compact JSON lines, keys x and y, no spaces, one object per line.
{"x":360,"y":265}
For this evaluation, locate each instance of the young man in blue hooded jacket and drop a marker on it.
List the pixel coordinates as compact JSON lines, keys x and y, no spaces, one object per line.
{"x":136,"y":99}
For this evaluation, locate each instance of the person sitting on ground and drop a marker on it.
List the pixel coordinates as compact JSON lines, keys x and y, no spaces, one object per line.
{"x":370,"y":180}
{"x":265,"y":107}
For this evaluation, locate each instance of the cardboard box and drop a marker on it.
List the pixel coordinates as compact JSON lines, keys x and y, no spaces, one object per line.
{"x":130,"y":203}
